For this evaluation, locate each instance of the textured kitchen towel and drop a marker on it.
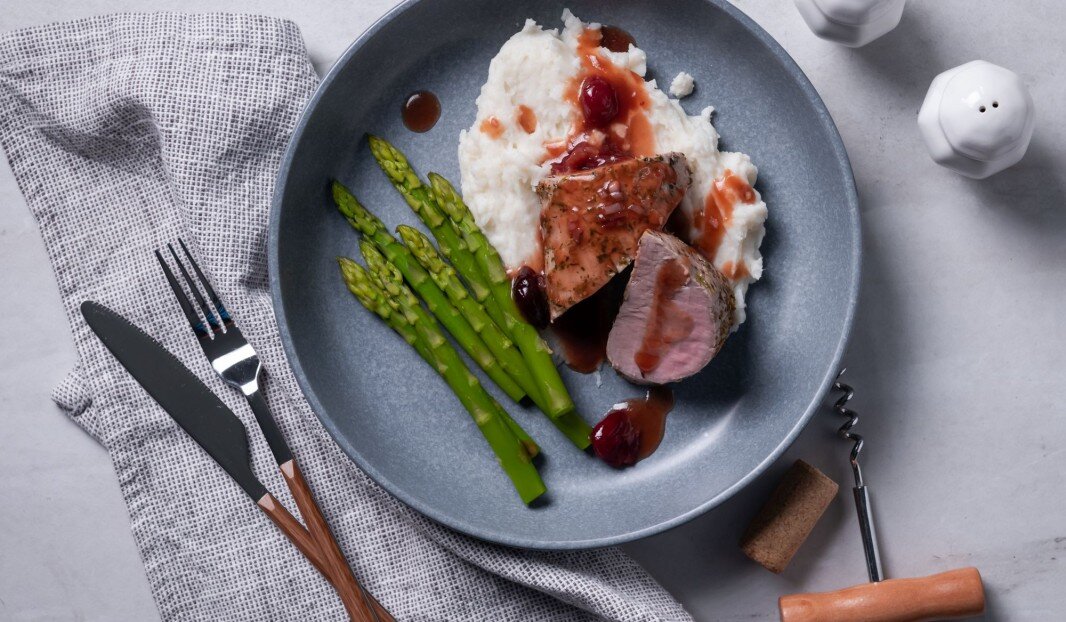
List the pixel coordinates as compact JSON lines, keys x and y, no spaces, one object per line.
{"x":128,"y":131}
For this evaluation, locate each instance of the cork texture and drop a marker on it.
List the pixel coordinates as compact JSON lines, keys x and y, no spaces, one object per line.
{"x":787,"y":518}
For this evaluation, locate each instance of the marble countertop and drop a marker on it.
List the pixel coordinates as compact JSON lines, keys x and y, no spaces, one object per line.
{"x":958,"y":353}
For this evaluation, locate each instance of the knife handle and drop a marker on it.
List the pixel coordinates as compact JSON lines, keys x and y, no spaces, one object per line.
{"x":343,"y":579}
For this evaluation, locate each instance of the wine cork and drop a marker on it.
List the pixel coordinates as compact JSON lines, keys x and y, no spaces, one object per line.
{"x":787,"y":518}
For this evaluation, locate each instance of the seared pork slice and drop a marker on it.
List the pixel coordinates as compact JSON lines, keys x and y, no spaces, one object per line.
{"x":592,"y":221}
{"x":676,"y":314}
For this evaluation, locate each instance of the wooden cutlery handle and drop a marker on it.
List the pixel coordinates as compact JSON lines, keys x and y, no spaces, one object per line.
{"x":953,"y":594}
{"x":294,"y":531}
{"x":357,"y":600}
{"x":310,"y":549}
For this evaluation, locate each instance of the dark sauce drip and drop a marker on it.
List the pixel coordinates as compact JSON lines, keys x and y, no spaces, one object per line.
{"x":679,"y":224}
{"x":583,"y":329}
{"x":633,"y":429}
{"x":615,"y":39}
{"x":420,"y":111}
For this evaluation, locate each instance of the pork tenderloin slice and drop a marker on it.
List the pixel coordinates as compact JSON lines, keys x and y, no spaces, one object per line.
{"x":591,"y":221}
{"x":676,"y":313}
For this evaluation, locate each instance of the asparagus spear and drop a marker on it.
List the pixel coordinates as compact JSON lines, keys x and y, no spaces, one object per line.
{"x":373,"y":298}
{"x":402,"y":300}
{"x":465,"y":335}
{"x":430,"y":342}
{"x":443,"y":275}
{"x":389,"y":279}
{"x":446,"y":279}
{"x":533,"y":347}
{"x":423,"y":202}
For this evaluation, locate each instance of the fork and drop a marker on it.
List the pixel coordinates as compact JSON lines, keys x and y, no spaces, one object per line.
{"x":236,"y":362}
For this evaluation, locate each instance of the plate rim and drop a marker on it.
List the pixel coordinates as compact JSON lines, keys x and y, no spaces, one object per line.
{"x":500,"y":536}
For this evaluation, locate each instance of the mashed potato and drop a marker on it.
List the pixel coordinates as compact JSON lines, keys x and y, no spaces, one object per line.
{"x":682,"y":85}
{"x":523,"y":117}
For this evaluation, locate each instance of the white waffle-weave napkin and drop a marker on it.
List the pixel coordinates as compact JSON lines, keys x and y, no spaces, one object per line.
{"x":128,"y":131}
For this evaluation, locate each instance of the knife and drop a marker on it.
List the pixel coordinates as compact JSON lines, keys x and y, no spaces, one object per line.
{"x":205,"y":418}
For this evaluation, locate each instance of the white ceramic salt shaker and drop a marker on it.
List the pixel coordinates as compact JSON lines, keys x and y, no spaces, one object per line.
{"x":851,"y":22}
{"x":977,"y":119}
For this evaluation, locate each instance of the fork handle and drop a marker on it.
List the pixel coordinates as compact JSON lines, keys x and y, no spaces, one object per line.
{"x":340,"y":574}
{"x":269,"y":427}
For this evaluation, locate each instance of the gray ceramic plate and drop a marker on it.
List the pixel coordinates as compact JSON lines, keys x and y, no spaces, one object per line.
{"x":397,"y":421}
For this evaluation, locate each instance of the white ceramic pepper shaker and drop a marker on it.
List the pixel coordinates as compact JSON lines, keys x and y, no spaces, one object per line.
{"x":851,"y":22}
{"x":977,"y":119}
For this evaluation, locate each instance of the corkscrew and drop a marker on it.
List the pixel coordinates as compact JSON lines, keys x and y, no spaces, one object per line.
{"x":860,"y":491}
{"x":952,"y":594}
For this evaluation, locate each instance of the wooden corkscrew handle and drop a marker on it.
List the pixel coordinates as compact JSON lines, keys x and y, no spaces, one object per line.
{"x":953,"y":594}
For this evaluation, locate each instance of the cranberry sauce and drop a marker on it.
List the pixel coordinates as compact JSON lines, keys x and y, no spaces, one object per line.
{"x":717,"y":212}
{"x":599,"y":101}
{"x":528,"y":291}
{"x":633,"y":429}
{"x":615,"y":39}
{"x":610,"y":101}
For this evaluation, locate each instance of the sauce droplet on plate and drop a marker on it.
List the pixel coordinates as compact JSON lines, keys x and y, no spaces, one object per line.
{"x":420,"y":111}
{"x":615,"y":39}
{"x":633,"y":429}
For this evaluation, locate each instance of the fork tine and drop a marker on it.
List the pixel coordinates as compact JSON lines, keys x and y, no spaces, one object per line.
{"x":215,"y":300}
{"x":208,"y":313}
{"x":183,"y":302}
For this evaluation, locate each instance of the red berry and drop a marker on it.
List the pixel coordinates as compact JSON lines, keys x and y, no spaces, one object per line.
{"x":529,"y":295}
{"x":583,"y":156}
{"x":599,"y":101}
{"x":616,"y":440}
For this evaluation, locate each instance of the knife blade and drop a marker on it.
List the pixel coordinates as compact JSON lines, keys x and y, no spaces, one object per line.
{"x":179,"y":392}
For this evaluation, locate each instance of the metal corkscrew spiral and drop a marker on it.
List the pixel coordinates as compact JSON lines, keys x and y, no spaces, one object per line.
{"x":840,"y":406}
{"x":862,"y":494}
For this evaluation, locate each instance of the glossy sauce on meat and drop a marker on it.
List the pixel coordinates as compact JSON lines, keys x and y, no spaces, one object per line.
{"x":592,"y":221}
{"x":420,"y":111}
{"x":677,"y":313}
{"x":668,"y":323}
